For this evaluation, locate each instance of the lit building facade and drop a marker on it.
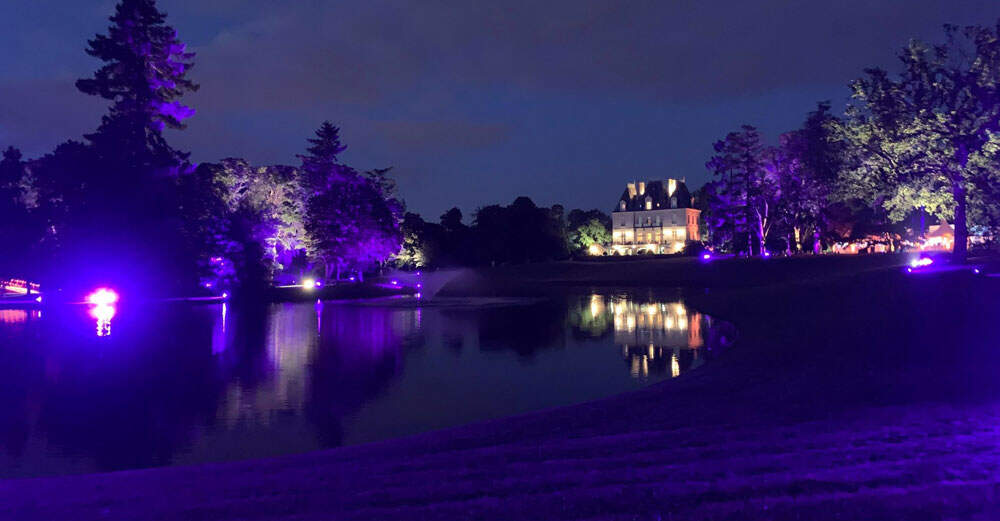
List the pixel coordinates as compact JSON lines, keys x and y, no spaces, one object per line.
{"x":654,"y":217}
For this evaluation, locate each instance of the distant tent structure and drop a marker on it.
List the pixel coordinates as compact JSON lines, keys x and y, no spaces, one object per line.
{"x":939,"y":237}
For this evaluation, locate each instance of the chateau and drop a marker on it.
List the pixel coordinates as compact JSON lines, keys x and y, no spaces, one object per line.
{"x":654,"y":217}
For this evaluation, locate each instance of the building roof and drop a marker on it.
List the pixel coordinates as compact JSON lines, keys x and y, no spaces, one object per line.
{"x":658,"y":192}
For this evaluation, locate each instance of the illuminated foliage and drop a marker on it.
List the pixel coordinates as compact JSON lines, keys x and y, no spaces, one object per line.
{"x":928,"y":139}
{"x":593,"y":231}
{"x":351,"y":219}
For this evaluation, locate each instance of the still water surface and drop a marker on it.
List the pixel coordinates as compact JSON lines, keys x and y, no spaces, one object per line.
{"x":149,"y":385}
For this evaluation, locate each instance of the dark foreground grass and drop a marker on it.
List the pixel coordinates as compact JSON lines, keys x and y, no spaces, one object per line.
{"x":855,"y":392}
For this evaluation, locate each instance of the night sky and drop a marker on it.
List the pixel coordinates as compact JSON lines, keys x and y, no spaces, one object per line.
{"x":475,"y":103}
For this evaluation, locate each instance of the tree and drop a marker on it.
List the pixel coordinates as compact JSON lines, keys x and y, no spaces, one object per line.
{"x":14,"y":226}
{"x":928,"y":139}
{"x":585,"y":228}
{"x":320,"y":166}
{"x":351,"y":220}
{"x":809,"y":165}
{"x":589,"y":233}
{"x":746,"y":187}
{"x":144,"y":76}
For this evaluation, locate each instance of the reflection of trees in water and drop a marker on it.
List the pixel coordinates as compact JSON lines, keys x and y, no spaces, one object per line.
{"x":523,"y":329}
{"x":318,"y":361}
{"x":588,"y":317}
{"x":656,"y":336}
{"x":123,"y":402}
{"x":360,"y":352}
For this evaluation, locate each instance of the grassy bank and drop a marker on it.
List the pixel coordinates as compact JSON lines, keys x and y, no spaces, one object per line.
{"x":854,"y":392}
{"x":681,"y":272}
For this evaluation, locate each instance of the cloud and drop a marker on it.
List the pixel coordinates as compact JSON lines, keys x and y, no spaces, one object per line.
{"x":36,"y":115}
{"x":372,"y":51}
{"x":439,"y":136}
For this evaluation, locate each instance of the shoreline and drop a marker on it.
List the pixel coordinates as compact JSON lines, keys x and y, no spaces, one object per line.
{"x":851,"y":416}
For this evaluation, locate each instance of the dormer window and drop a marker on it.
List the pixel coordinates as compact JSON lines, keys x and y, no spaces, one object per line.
{"x":673,"y":202}
{"x":622,"y":205}
{"x":649,"y":203}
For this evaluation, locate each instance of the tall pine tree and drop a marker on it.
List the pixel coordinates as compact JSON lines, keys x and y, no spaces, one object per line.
{"x":320,"y":166}
{"x":144,"y":75}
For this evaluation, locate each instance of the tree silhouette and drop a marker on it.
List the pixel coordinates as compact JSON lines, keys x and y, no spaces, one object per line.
{"x":144,"y":75}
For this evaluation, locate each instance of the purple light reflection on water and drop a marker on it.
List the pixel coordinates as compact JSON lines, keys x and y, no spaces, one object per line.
{"x":250,"y":381}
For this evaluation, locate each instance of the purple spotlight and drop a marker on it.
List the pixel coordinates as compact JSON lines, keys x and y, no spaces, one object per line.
{"x":706,"y":256}
{"x":102,"y":297}
{"x":395,"y":282}
{"x":225,"y":294}
{"x":921,"y":262}
{"x":351,"y":278}
{"x":417,"y":295}
{"x":419,"y":285}
{"x":208,"y":284}
{"x":39,"y":299}
{"x":318,"y":283}
{"x":974,"y":270}
{"x":418,"y":273}
{"x":767,"y":254}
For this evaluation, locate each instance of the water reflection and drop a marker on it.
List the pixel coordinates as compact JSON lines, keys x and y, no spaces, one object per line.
{"x":179,"y":384}
{"x":656,"y":335}
{"x":103,"y":313}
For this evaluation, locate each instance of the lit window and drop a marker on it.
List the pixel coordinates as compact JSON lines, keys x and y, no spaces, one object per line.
{"x":622,"y":205}
{"x":649,"y":203}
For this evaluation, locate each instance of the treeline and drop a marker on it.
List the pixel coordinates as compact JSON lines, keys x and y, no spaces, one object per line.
{"x":923,"y":143}
{"x":518,"y":233}
{"x":123,"y":207}
{"x":255,"y":225}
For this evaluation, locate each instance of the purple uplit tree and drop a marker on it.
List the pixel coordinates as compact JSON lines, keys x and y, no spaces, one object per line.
{"x":144,"y":76}
{"x":745,"y":192}
{"x":351,"y":219}
{"x":812,"y":161}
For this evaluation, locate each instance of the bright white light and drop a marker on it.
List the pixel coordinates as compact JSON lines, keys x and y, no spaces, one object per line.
{"x":921,"y":262}
{"x":103,"y":297}
{"x":308,"y":283}
{"x":103,"y":312}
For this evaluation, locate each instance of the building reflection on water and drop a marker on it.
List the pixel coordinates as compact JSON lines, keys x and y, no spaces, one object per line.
{"x":655,"y":336}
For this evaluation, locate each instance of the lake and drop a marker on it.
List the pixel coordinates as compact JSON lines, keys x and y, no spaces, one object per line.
{"x":154,"y":384}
